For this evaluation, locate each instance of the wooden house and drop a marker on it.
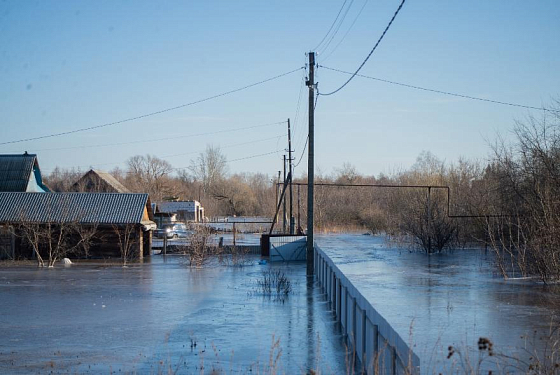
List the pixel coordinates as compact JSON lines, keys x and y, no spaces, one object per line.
{"x":96,"y":181}
{"x":107,"y":214}
{"x":21,"y":173}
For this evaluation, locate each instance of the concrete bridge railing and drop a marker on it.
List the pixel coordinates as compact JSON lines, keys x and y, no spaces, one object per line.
{"x":378,"y":346}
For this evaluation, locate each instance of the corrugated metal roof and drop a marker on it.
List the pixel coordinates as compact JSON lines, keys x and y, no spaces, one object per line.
{"x":101,"y":208}
{"x":15,"y":171}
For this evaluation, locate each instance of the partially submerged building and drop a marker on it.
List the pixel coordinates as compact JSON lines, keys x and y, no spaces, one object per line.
{"x":96,"y":181}
{"x":108,"y":214}
{"x":21,"y":173}
{"x":169,"y":212}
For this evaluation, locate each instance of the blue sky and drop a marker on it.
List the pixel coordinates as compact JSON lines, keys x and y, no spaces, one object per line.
{"x":66,"y":65}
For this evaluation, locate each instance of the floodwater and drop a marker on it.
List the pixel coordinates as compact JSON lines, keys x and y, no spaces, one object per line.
{"x":446,"y":299}
{"x":92,"y":318}
{"x":161,"y":315}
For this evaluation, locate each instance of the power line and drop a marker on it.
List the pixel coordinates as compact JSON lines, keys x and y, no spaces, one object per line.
{"x":338,"y":26}
{"x":226,"y":146}
{"x":444,"y":92}
{"x":330,"y":28}
{"x":162,"y":139}
{"x":153,"y":113}
{"x":347,"y":32}
{"x":238,"y":159}
{"x":174,"y":155}
{"x":369,"y":55}
{"x":303,"y":152}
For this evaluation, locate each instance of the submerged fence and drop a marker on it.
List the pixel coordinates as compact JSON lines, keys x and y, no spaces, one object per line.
{"x":378,"y":346}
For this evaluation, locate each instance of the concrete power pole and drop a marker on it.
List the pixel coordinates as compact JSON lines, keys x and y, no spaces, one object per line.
{"x":311,"y":164}
{"x":292,"y":223}
{"x":277,"y":195}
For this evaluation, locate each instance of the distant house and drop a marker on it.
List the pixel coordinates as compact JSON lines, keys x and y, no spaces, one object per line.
{"x":168,"y":212}
{"x":21,"y":173}
{"x":96,"y":181}
{"x":108,"y":213}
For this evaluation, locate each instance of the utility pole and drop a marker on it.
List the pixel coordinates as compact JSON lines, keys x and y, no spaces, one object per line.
{"x":311,"y":164}
{"x":298,"y":208}
{"x":284,"y":201}
{"x":429,"y":221}
{"x":292,"y":224}
{"x":277,"y":195}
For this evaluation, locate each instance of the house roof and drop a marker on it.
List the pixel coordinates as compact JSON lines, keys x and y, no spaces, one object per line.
{"x":15,"y":171}
{"x":85,"y":208}
{"x":111,"y":182}
{"x":174,"y":207}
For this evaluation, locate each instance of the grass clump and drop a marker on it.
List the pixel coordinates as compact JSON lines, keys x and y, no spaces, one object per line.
{"x":274,"y":284}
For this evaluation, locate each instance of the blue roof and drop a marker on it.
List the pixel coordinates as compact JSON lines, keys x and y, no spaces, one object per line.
{"x":15,"y":172}
{"x":92,"y":208}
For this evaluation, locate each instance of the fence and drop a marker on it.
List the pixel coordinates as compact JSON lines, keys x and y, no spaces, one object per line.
{"x":378,"y":346}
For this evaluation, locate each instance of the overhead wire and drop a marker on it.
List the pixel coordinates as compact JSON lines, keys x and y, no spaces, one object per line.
{"x":303,"y":152}
{"x":152,"y":113}
{"x":330,"y":28}
{"x":181,"y":154}
{"x":238,"y":159}
{"x":370,"y":53}
{"x":152,"y":140}
{"x":347,"y":32}
{"x":335,"y":32}
{"x":296,"y":126}
{"x":444,"y":92}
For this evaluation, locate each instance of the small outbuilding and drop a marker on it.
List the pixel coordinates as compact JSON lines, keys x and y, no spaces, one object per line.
{"x":168,"y":212}
{"x":111,"y":220}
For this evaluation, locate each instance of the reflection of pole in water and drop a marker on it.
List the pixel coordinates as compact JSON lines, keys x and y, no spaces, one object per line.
{"x":312,"y":362}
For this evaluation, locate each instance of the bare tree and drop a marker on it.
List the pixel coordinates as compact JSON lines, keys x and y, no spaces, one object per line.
{"x":149,"y":174}
{"x":61,"y":180}
{"x":56,"y":240}
{"x":210,"y":167}
{"x":527,"y":179}
{"x":199,"y":249}
{"x":126,"y":239}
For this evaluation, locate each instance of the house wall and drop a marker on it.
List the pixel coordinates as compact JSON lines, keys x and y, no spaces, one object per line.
{"x":105,"y":245}
{"x":7,"y":243}
{"x":33,"y":186}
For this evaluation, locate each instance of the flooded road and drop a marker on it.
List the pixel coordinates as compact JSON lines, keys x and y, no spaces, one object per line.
{"x":91,"y":318}
{"x":447,"y":299}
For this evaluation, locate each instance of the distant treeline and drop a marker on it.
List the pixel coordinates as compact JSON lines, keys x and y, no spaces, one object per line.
{"x":511,"y":201}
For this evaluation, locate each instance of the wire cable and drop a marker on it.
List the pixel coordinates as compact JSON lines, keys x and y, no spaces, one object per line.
{"x":161,"y":139}
{"x":238,"y":159}
{"x":153,"y":113}
{"x":330,"y":28}
{"x":173,"y":155}
{"x":347,"y":32}
{"x":369,"y":55}
{"x":303,"y":152}
{"x":326,"y":47}
{"x":226,"y":146}
{"x":446,"y":92}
